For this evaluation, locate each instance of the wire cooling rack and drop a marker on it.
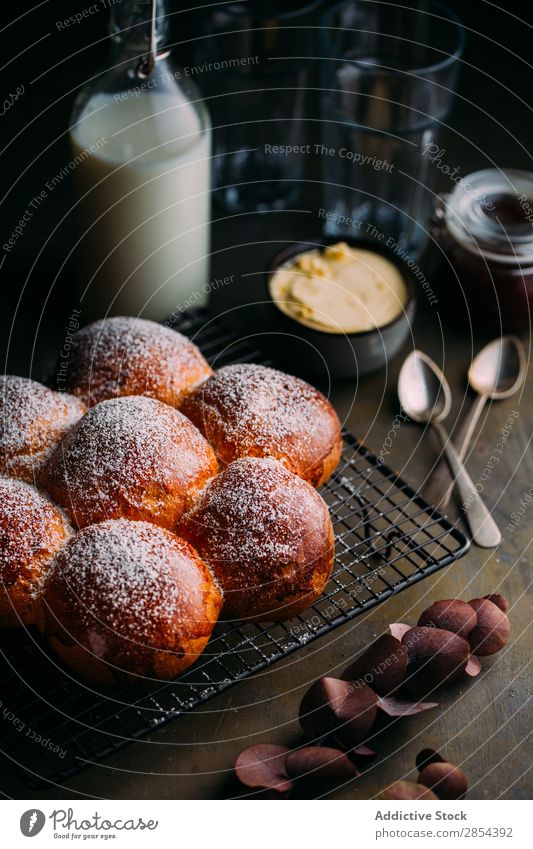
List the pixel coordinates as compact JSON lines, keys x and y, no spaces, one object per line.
{"x":387,"y":538}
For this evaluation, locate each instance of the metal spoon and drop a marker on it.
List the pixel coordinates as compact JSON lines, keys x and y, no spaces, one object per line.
{"x":425,"y":396}
{"x":497,"y":372}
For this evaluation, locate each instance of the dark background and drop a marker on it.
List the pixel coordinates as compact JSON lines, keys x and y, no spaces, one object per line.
{"x":491,"y":123}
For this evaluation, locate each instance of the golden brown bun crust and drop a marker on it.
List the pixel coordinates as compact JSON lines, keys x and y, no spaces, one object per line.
{"x":267,"y":536}
{"x":32,"y":530}
{"x":33,"y":419}
{"x":131,"y":356}
{"x":253,"y":411}
{"x":128,"y":598}
{"x":133,"y":458}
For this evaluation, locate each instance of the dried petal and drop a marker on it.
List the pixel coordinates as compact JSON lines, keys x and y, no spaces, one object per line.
{"x":363,"y":752}
{"x":408,"y":790}
{"x":427,"y":756}
{"x":446,"y":780}
{"x":473,"y":667}
{"x":399,"y":707}
{"x":499,"y":600}
{"x":492,"y":630}
{"x":436,"y":657}
{"x":359,"y":754}
{"x":398,"y":629}
{"x":257,"y":793}
{"x":382,"y":666}
{"x":320,"y":763}
{"x":264,"y":766}
{"x":345,"y":707}
{"x":451,"y":614}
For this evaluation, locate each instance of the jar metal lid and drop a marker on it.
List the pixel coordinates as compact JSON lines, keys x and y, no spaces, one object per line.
{"x":490,"y":213}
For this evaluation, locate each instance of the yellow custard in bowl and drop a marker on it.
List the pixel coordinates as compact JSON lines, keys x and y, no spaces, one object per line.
{"x":340,"y":289}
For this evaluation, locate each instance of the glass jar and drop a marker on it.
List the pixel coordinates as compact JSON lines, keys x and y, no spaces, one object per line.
{"x":485,"y":228}
{"x":141,"y":140}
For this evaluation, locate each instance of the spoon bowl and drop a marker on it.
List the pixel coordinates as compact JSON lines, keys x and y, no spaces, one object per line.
{"x":499,"y":368}
{"x":423,"y":390}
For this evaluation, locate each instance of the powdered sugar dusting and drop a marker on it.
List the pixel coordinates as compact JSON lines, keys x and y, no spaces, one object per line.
{"x":257,"y":511}
{"x":134,"y":578}
{"x":132,"y":452}
{"x":31,"y":528}
{"x":249,"y":409}
{"x":33,"y":419}
{"x":132,"y":356}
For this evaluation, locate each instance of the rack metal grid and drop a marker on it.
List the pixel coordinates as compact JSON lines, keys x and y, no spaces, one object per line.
{"x":387,"y":538}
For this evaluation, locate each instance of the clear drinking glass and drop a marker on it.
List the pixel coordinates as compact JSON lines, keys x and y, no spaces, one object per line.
{"x":254,"y":63}
{"x":388,"y":79}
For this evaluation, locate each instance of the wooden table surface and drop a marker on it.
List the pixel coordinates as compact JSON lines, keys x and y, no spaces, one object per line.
{"x":483,"y":724}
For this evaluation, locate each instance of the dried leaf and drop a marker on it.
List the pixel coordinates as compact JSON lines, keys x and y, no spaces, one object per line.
{"x":359,"y":754}
{"x":364,"y":752}
{"x":427,"y":756}
{"x":450,"y":614}
{"x":436,"y":657}
{"x":400,"y":707}
{"x":345,"y":708}
{"x":492,"y":630}
{"x":446,"y":780}
{"x":499,"y":600}
{"x":408,"y":790}
{"x":398,"y":629}
{"x":257,"y":793}
{"x":473,"y":667}
{"x":264,"y":766}
{"x":382,"y":666}
{"x":320,"y":763}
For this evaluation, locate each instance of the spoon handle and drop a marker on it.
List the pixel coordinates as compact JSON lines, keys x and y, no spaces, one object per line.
{"x":441,"y":484}
{"x":484,"y":530}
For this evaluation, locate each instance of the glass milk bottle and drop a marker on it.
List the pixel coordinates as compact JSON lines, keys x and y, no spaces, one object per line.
{"x":141,"y":140}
